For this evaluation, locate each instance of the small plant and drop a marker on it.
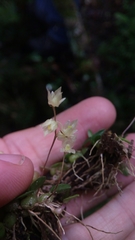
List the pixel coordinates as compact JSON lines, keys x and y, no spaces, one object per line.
{"x":37,"y":213}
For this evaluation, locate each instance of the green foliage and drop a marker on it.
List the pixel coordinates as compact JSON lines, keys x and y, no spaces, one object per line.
{"x":37,"y":184}
{"x":118,"y":63}
{"x":93,"y":138}
{"x":8,"y":13}
{"x":62,"y":187}
{"x":66,"y":200}
{"x":120,"y":49}
{"x":24,"y":75}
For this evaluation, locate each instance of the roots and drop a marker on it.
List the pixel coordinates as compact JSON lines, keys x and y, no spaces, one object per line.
{"x":105,"y":159}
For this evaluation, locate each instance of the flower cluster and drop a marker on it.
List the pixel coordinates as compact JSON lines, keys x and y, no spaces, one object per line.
{"x":55,"y":98}
{"x":67,"y":136}
{"x":65,"y":133}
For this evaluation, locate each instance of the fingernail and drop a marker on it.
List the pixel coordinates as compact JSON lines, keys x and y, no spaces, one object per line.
{"x":22,"y":160}
{"x":13,"y":158}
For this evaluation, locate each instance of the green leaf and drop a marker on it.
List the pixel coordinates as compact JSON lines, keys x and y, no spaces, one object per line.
{"x":24,"y":194}
{"x":73,"y":157}
{"x":69,"y":198}
{"x":38,"y":183}
{"x":124,"y":140}
{"x":96,"y":136}
{"x":56,"y":165}
{"x":60,"y":188}
{"x":124,"y":169}
{"x":90,"y":133}
{"x":93,"y":138}
{"x":29,"y":201}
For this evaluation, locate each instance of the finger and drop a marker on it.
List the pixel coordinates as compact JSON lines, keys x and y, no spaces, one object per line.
{"x":88,"y":200}
{"x":116,"y":216}
{"x":16,"y":173}
{"x":131,"y":236}
{"x":94,"y":113}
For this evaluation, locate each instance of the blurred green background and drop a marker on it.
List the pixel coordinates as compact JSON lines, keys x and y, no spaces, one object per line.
{"x":100,"y":61}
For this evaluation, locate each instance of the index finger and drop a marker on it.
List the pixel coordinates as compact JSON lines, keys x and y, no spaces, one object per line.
{"x":94,"y":113}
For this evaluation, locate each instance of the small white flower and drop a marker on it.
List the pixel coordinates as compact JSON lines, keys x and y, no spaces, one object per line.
{"x":67,"y":147}
{"x":67,"y":131}
{"x":55,"y":98}
{"x":49,"y":126}
{"x":67,"y":136}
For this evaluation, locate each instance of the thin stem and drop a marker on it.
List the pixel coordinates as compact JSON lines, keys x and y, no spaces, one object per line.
{"x":60,"y":177}
{"x":128,"y":127}
{"x":55,"y":136}
{"x":54,"y":112}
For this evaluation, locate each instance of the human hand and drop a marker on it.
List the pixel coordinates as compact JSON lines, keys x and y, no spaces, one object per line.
{"x":95,"y":113}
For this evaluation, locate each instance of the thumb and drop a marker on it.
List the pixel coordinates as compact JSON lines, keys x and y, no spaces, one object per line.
{"x":16,"y":173}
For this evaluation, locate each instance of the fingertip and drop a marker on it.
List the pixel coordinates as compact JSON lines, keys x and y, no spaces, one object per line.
{"x":95,"y":113}
{"x":102,"y":112}
{"x":15,"y":179}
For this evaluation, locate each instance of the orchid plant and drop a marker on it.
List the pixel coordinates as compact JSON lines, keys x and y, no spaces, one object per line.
{"x":65,"y":133}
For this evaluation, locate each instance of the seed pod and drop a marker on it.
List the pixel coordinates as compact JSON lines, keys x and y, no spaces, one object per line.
{"x":9,"y":220}
{"x":29,"y":201}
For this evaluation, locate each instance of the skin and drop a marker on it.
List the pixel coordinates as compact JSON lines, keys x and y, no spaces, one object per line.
{"x":16,"y":172}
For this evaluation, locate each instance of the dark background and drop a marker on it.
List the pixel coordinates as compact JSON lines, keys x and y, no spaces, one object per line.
{"x":99,"y":61}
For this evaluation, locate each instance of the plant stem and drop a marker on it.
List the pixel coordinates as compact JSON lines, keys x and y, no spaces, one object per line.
{"x":55,"y":135}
